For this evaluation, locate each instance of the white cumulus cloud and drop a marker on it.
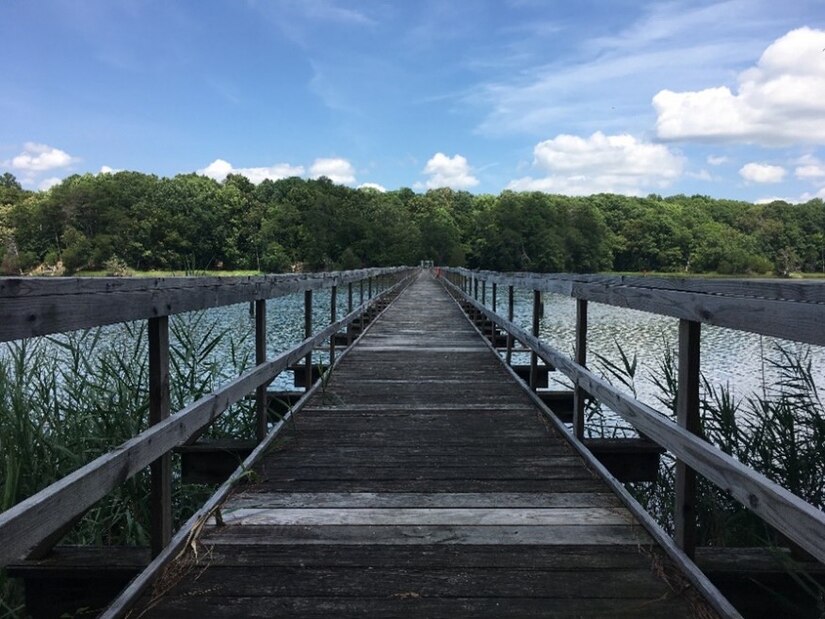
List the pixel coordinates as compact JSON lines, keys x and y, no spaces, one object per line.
{"x":104,"y":169}
{"x":779,"y":101}
{"x":717,"y":159}
{"x":220,"y":169}
{"x":810,"y":168}
{"x":762,"y":173}
{"x":40,"y":158}
{"x":453,"y":172}
{"x":600,"y":164}
{"x":336,"y":169}
{"x":375,"y":186}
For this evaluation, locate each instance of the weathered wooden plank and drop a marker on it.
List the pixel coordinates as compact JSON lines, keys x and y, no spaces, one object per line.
{"x":463,"y":484}
{"x":39,"y":306}
{"x":798,"y":321}
{"x":459,"y":516}
{"x":423,"y":499}
{"x":410,"y":604}
{"x":274,"y":472}
{"x":405,"y":535}
{"x":351,"y":582}
{"x":808,"y":291}
{"x":583,"y":558}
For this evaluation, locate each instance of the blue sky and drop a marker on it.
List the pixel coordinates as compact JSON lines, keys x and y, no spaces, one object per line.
{"x":718,"y":98}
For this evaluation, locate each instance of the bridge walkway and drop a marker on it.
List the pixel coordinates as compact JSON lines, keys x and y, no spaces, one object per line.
{"x":421,"y":480}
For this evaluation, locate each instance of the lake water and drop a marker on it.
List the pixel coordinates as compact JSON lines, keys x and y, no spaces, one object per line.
{"x":736,"y":359}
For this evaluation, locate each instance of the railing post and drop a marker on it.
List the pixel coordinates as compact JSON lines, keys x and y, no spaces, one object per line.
{"x":361,"y":291}
{"x":493,"y":303}
{"x":308,"y":334}
{"x":581,"y":359}
{"x":534,"y":358}
{"x":484,"y":292}
{"x":349,"y":311}
{"x":333,"y":316}
{"x":370,"y":288}
{"x":509,"y":356}
{"x":160,"y":469}
{"x":475,"y":287}
{"x":687,"y":416}
{"x":260,"y":357}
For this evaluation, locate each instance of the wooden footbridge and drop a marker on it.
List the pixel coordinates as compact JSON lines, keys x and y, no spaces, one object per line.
{"x":419,"y":475}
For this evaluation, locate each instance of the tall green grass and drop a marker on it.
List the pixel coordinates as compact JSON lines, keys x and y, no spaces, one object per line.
{"x":778,"y":431}
{"x":67,"y":399}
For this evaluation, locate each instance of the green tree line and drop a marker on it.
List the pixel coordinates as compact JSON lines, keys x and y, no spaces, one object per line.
{"x":194,"y":222}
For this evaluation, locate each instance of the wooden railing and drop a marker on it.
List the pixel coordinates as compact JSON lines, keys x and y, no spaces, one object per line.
{"x":790,"y":310}
{"x":39,"y":306}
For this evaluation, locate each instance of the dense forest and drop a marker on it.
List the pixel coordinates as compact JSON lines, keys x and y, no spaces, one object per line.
{"x":191,"y":222}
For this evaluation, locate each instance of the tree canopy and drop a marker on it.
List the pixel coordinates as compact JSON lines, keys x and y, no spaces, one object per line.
{"x":194,"y":222}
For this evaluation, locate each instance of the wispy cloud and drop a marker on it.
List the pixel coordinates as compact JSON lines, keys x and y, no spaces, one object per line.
{"x":607,"y":82}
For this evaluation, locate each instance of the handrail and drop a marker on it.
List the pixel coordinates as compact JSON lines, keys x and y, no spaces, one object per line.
{"x":33,"y":306}
{"x":800,"y":521}
{"x":790,"y":310}
{"x":40,"y":516}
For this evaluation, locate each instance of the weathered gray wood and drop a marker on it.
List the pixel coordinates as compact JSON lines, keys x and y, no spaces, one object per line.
{"x":579,"y":396}
{"x":188,"y":532}
{"x":160,"y":498}
{"x":407,"y":603}
{"x":800,"y":521}
{"x":457,"y":582}
{"x":39,"y":306}
{"x":776,"y":316}
{"x":333,"y":316}
{"x":534,"y":359}
{"x":261,"y":397}
{"x":809,"y":291}
{"x":307,"y":334}
{"x":514,"y":500}
{"x":464,"y":516}
{"x":30,"y":521}
{"x":414,"y":535}
{"x":354,"y":449}
{"x":687,"y":416}
{"x":510,"y":307}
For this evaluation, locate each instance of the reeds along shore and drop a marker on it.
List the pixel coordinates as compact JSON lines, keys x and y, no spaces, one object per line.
{"x":67,"y":399}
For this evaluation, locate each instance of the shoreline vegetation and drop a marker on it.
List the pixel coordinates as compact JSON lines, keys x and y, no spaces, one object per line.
{"x":129,"y":222}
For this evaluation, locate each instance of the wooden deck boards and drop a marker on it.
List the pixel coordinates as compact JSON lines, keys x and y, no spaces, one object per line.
{"x":422,"y":481}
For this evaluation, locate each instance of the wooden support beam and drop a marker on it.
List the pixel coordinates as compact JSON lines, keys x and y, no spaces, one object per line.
{"x":581,"y":358}
{"x":260,"y":357}
{"x":333,"y":317}
{"x":687,"y":416}
{"x":510,"y":308}
{"x":349,"y":311}
{"x":534,"y":359}
{"x":160,"y":500}
{"x":308,"y":334}
{"x":484,"y":293}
